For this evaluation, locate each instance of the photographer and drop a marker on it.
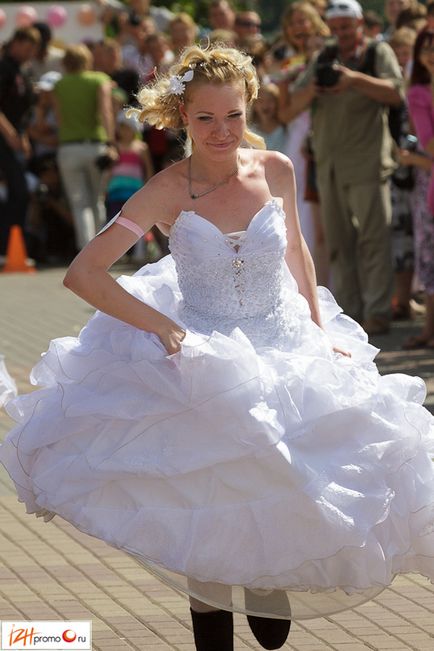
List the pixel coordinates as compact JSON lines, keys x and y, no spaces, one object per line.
{"x":350,"y":86}
{"x":86,"y":130}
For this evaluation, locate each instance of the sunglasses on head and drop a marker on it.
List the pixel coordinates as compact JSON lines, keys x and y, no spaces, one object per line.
{"x":338,"y":5}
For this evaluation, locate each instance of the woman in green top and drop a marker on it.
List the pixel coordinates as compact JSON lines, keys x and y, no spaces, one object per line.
{"x":83,"y":104}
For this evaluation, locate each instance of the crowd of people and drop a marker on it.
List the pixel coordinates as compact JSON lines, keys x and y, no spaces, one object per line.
{"x":347,"y":98}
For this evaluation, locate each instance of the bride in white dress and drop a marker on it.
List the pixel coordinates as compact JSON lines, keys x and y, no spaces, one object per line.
{"x":209,"y":420}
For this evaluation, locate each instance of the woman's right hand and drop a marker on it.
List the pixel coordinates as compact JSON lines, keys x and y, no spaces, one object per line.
{"x":405,"y":157}
{"x":171,"y":336}
{"x":415,"y":159}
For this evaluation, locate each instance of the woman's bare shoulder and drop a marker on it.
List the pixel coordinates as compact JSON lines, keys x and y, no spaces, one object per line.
{"x":279,"y":172}
{"x":276,"y":160}
{"x":270,"y":159}
{"x":159,"y":199}
{"x":277,"y":169}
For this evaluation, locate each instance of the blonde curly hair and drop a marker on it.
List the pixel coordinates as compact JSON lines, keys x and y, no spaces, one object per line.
{"x":215,"y":64}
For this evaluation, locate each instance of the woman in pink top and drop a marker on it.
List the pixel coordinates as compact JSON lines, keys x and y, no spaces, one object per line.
{"x":132,"y":168}
{"x":421,"y":108}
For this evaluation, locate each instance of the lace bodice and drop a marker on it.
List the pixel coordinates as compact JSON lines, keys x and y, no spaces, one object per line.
{"x":227,"y":283}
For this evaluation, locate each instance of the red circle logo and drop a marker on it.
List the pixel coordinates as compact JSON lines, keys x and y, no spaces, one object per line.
{"x":68,"y":635}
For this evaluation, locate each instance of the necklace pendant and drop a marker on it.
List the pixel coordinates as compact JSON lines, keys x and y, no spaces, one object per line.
{"x":196,"y":195}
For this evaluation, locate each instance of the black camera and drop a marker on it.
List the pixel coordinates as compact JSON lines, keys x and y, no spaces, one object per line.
{"x":409,"y":142}
{"x":326,"y":74}
{"x":280,"y":54}
{"x":403,"y":176}
{"x":104,"y":162}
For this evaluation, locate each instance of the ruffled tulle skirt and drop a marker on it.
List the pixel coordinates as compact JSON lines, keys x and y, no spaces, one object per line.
{"x":285,"y":481}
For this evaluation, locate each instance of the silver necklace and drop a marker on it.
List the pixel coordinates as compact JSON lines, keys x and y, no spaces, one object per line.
{"x":196,"y":195}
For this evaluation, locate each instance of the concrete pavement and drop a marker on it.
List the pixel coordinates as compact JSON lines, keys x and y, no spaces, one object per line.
{"x":52,"y":571}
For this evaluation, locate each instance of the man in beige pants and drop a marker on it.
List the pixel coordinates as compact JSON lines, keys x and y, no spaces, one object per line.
{"x":353,"y":148}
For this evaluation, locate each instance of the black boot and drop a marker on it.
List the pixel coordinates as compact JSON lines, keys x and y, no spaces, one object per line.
{"x":270,"y":633}
{"x":213,"y":631}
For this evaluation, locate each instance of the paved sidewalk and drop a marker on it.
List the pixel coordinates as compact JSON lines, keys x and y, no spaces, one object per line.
{"x":51,"y":571}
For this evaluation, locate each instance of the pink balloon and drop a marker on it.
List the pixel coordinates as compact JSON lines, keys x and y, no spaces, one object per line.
{"x":56,"y":16}
{"x":26,"y":15}
{"x":3,"y":18}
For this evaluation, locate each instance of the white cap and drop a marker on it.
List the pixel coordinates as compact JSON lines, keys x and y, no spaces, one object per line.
{"x":344,"y":9}
{"x":48,"y":80}
{"x":132,"y":121}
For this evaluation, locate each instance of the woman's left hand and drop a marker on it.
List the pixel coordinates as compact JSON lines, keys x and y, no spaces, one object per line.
{"x":345,"y":353}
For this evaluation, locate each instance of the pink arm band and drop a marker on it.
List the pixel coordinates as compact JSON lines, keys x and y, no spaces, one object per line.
{"x":132,"y":226}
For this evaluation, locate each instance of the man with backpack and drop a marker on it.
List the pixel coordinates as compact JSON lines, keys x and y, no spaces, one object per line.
{"x":350,"y":85}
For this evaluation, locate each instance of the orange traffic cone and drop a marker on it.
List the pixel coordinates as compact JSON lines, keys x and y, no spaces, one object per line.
{"x":16,"y":254}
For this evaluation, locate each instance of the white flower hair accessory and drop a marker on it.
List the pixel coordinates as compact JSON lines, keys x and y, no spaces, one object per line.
{"x":177,"y":82}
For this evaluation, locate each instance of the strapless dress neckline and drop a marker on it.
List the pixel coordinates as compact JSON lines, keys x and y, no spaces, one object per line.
{"x":274,"y":202}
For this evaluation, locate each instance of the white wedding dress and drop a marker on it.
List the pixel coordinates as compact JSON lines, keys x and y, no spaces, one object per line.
{"x":255,"y":457}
